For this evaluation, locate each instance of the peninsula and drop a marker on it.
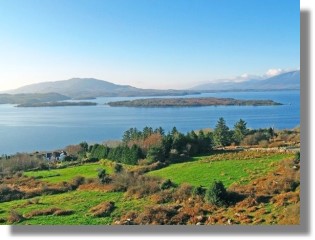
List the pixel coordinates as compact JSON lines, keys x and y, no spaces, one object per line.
{"x":56,"y":104}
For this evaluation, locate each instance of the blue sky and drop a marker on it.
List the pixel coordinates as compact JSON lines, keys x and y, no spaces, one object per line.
{"x":146,"y":43}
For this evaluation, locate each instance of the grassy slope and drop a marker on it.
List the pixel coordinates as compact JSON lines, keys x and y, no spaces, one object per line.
{"x":78,"y":201}
{"x":228,"y":171}
{"x":66,"y":174}
{"x":229,"y":168}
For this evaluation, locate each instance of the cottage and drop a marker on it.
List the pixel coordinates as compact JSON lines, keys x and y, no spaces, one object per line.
{"x":55,"y":156}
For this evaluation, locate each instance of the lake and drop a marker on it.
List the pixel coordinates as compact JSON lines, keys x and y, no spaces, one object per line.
{"x":49,"y":128}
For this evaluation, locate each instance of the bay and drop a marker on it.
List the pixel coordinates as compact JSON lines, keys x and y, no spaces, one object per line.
{"x":49,"y":128}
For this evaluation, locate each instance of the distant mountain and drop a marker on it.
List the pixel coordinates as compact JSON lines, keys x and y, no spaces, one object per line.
{"x":288,"y":80}
{"x":80,"y":88}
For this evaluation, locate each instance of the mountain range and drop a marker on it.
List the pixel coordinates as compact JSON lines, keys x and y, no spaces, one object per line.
{"x":81,"y":88}
{"x":84,"y":88}
{"x":288,"y":80}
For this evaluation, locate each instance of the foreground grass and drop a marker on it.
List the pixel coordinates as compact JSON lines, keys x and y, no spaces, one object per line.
{"x":78,"y":201}
{"x":67,"y":174}
{"x":204,"y":171}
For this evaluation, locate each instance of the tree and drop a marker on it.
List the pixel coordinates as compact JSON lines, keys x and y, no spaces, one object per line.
{"x":240,"y":131}
{"x":146,"y":132}
{"x":99,"y":151}
{"x":174,"y":131}
{"x":159,"y":130}
{"x":204,"y":142}
{"x":156,"y":154}
{"x":216,"y":194}
{"x":221,"y":133}
{"x":84,"y":146}
{"x":179,"y":141}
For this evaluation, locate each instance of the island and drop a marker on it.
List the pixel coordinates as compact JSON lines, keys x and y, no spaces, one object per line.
{"x":56,"y":104}
{"x":191,"y":102}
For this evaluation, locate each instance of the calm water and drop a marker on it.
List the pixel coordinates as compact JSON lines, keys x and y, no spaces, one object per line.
{"x":34,"y":129}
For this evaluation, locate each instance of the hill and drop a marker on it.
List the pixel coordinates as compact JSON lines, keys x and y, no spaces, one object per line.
{"x":89,"y":88}
{"x":31,"y":98}
{"x":284,"y":81}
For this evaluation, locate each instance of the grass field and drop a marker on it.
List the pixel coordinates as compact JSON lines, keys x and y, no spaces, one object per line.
{"x":78,"y":201}
{"x":67,"y":174}
{"x":229,"y":167}
{"x":204,"y":171}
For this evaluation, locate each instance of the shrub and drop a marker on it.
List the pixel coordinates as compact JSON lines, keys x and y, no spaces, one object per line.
{"x":136,"y":185}
{"x":19,"y":174}
{"x":199,"y":191}
{"x":143,"y":186}
{"x":263,"y":143}
{"x":77,"y":181}
{"x":42,"y":212}
{"x":103,"y":209}
{"x":63,"y":212}
{"x":297,"y":157}
{"x":254,"y":139}
{"x":163,"y":196}
{"x":9,"y":194}
{"x":183,"y":192}
{"x":103,"y":177}
{"x":158,"y":214}
{"x":166,"y":184}
{"x":118,"y":168}
{"x":15,"y":217}
{"x":123,"y":180}
{"x":216,"y":194}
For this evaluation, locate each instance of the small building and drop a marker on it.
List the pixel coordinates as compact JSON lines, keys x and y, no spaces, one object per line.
{"x":48,"y":156}
{"x":55,"y":156}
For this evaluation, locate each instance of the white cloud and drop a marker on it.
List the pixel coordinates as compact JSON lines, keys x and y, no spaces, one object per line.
{"x":274,"y":72}
{"x":242,"y":78}
{"x":247,"y":76}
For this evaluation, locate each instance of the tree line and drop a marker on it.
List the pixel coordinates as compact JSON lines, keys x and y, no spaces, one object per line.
{"x":155,"y":145}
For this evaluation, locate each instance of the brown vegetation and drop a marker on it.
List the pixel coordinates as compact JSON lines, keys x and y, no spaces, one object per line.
{"x":14,"y":188}
{"x":273,"y":199}
{"x":15,"y":217}
{"x":42,"y":212}
{"x":103,"y":209}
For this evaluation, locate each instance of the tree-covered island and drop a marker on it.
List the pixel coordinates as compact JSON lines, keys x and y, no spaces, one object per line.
{"x":191,"y":102}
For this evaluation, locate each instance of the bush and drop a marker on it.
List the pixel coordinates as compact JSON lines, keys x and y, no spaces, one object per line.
{"x":15,"y":217}
{"x":77,"y":181}
{"x":254,"y":139}
{"x":216,"y":194}
{"x":103,"y":209}
{"x":199,"y":191}
{"x":63,"y":212}
{"x":143,"y":186}
{"x":43,"y":212}
{"x":183,"y":192}
{"x":103,"y":177}
{"x":166,"y":184}
{"x":263,"y":143}
{"x":157,"y":215}
{"x":134,"y":184}
{"x":118,"y":168}
{"x":9,"y":194}
{"x":297,"y":157}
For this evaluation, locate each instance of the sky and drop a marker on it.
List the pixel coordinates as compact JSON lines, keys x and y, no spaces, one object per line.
{"x":147,"y":43}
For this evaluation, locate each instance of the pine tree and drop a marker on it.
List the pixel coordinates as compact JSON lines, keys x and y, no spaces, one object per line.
{"x":221,"y":135}
{"x":240,"y":131}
